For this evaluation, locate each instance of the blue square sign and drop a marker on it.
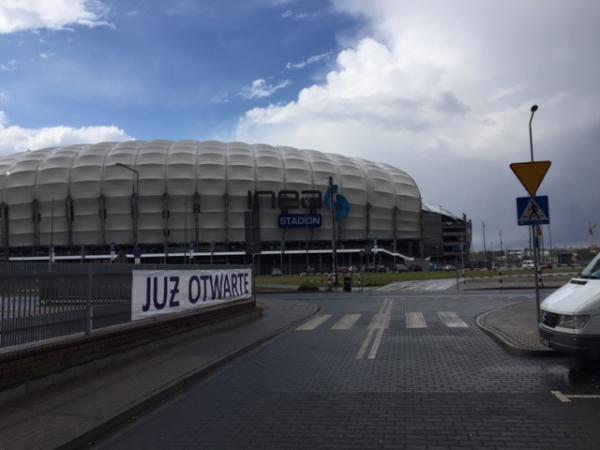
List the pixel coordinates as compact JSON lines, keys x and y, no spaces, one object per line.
{"x":533,"y":210}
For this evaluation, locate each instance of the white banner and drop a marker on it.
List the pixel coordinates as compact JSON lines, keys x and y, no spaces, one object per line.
{"x":156,"y":292}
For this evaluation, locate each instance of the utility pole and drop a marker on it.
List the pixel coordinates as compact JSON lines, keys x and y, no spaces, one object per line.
{"x":502,"y":248}
{"x":333,"y":238}
{"x":51,"y":254}
{"x":484,"y":249}
{"x":550,"y":238}
{"x":462,"y":259}
{"x":187,"y":246}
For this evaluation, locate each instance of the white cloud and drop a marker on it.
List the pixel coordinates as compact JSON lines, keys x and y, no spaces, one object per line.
{"x":366,"y":90}
{"x":9,"y":65}
{"x":14,"y":138}
{"x":220,"y":98}
{"x":289,"y":14}
{"x":310,"y":60}
{"x":443,"y":90}
{"x":261,"y":89}
{"x":31,"y":15}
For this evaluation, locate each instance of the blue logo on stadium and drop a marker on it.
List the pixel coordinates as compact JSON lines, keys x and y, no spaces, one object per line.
{"x":341,"y":206}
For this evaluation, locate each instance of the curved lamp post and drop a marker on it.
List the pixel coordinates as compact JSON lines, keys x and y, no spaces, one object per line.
{"x":136,"y":190}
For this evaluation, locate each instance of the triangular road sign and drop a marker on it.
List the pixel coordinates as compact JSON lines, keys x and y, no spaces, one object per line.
{"x":533,"y":212}
{"x":531,"y":174}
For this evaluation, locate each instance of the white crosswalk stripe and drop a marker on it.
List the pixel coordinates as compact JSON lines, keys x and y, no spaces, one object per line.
{"x":313,"y":323}
{"x":451,"y":319}
{"x":379,"y":323}
{"x":423,"y":285}
{"x":383,"y":320}
{"x":346,"y":322}
{"x":415,"y":320}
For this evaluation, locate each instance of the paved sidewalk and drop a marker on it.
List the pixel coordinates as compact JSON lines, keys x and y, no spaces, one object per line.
{"x":515,"y":328}
{"x":69,"y":415}
{"x":549,"y":281}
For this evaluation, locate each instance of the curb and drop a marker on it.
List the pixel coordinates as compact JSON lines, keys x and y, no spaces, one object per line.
{"x":506,"y":341}
{"x":509,"y":288}
{"x":100,"y":432}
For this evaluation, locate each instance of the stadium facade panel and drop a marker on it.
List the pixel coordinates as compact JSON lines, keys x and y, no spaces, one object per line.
{"x":81,"y":195}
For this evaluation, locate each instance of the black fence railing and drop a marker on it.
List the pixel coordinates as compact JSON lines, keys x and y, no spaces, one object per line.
{"x":40,"y":301}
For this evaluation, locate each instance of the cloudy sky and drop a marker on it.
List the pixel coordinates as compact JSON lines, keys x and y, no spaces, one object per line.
{"x":441,"y":89}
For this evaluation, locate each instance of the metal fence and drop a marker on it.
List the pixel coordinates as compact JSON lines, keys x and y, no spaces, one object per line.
{"x":40,"y":301}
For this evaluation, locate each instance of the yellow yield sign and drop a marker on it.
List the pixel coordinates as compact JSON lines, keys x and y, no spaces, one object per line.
{"x":531,"y":174}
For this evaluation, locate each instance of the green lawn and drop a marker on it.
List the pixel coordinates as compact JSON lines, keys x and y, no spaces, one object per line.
{"x":381,"y":279}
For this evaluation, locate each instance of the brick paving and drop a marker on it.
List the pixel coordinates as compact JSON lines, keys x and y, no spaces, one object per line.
{"x":55,"y":417}
{"x":515,"y":327}
{"x":427,"y":388}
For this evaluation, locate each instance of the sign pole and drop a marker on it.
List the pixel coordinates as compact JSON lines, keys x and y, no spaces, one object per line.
{"x":533,"y":233}
{"x":333,"y":238}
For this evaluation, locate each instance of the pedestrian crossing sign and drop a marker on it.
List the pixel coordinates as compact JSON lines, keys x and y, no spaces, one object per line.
{"x":533,"y":210}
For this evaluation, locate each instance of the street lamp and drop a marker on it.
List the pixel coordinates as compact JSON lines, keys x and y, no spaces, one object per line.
{"x":136,"y":190}
{"x":533,"y":231}
{"x":534,"y":108}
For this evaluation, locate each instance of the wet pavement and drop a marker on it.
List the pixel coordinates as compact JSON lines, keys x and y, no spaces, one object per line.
{"x":515,"y":326}
{"x":384,"y":370}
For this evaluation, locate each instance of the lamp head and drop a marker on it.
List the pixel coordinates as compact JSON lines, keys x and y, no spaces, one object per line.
{"x":534,"y":108}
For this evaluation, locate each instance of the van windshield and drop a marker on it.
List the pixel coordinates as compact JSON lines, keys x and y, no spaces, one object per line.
{"x":592,"y":270}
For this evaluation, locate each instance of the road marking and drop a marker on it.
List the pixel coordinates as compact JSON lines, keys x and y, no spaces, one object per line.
{"x":382,"y":324}
{"x":372,"y":327}
{"x":365,"y":344}
{"x":346,"y":322}
{"x":566,"y":398}
{"x":379,"y":323}
{"x":314,"y":322}
{"x":415,"y":320}
{"x":451,"y":319}
{"x":427,"y":285}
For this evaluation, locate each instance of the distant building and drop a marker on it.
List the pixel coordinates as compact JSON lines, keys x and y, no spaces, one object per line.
{"x":444,"y":234}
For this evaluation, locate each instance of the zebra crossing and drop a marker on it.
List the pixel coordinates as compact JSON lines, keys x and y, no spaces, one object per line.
{"x":416,"y":285}
{"x":383,"y":320}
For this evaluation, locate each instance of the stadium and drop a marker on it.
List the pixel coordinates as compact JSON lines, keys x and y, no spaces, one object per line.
{"x":207,"y":202}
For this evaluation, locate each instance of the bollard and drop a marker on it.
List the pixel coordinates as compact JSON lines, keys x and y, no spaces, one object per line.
{"x":347,"y":282}
{"x":500,"y":278}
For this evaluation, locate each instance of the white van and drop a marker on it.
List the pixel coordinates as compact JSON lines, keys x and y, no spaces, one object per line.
{"x":570,"y":316}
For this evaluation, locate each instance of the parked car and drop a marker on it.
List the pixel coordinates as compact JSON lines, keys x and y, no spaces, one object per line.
{"x":276,"y":271}
{"x":527,"y":264}
{"x":435,"y":267}
{"x":546,"y":265}
{"x":353,"y":269}
{"x":382,"y":268}
{"x":401,"y":268}
{"x":448,"y":268}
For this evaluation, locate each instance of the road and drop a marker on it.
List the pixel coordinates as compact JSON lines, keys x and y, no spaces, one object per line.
{"x":383,"y":369}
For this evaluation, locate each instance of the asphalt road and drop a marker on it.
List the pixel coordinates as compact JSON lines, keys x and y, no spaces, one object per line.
{"x":391,"y":369}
